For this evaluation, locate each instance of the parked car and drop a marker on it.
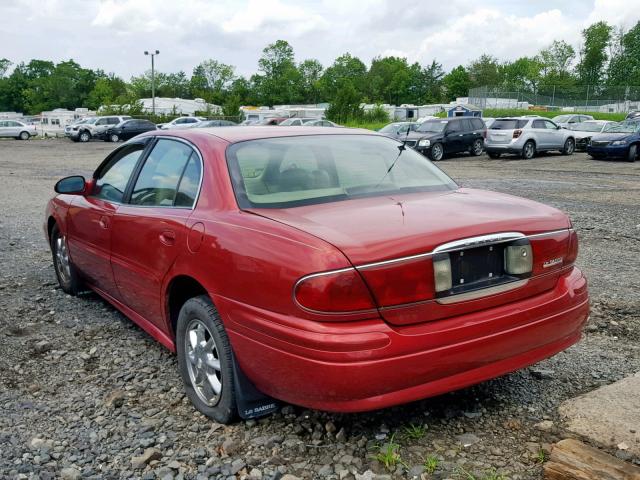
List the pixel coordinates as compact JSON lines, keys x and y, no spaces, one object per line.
{"x":526,"y":136}
{"x":488,"y":121}
{"x":18,"y":130}
{"x":566,"y":121}
{"x":93,"y":127}
{"x":273,"y":120}
{"x":181,"y":122}
{"x":633,"y":115}
{"x":279,"y":262}
{"x":213,"y":123}
{"x":127,"y":129}
{"x":446,"y":136}
{"x":321,"y":122}
{"x":585,"y":130}
{"x":398,"y":130}
{"x":618,"y":141}
{"x":295,"y":121}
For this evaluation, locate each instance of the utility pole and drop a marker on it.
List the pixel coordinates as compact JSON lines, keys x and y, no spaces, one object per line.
{"x":153,"y":80}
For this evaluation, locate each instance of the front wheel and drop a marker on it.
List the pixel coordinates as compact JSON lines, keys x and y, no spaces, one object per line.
{"x":66,"y":272}
{"x":24,"y":136}
{"x":437,"y":152}
{"x":84,"y":136}
{"x":114,"y":138}
{"x":477,"y":147}
{"x":529,"y":150}
{"x":205,"y":360}
{"x":632,"y":153}
{"x":569,"y":147}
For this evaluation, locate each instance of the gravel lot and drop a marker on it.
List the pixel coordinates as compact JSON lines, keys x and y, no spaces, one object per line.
{"x":83,"y":390}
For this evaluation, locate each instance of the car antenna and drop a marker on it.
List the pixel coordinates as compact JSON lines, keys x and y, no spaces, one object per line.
{"x":401,"y":149}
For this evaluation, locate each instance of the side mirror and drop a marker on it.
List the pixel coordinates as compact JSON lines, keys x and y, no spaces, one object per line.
{"x":74,"y":185}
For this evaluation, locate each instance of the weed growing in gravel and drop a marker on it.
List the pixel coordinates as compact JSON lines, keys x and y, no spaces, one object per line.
{"x":430,"y":464}
{"x":541,"y":457}
{"x":490,"y":475}
{"x":389,"y":454}
{"x":415,"y":432}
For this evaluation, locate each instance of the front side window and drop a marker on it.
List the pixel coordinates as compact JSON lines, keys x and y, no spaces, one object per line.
{"x":113,"y":178}
{"x":294,"y":171}
{"x":157,"y":184}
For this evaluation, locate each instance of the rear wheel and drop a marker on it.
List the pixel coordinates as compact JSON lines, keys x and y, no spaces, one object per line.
{"x":632,"y":153}
{"x":66,"y":272}
{"x":437,"y":152}
{"x":477,"y":147}
{"x":569,"y":147}
{"x":24,"y":136}
{"x":205,"y":360}
{"x":529,"y":150}
{"x":493,"y":155}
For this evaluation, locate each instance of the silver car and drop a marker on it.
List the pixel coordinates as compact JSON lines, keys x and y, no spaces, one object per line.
{"x":526,"y":136}
{"x":571,"y":119}
{"x":93,"y":127}
{"x":585,"y":130}
{"x":17,"y":130}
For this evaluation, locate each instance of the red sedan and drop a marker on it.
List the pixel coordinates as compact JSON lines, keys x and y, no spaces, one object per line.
{"x":330,"y":268}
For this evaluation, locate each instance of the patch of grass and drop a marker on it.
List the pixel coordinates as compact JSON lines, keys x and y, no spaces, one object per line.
{"x":389,"y":455}
{"x":430,"y":464}
{"x":365,"y":124}
{"x":541,"y":456}
{"x":414,"y":432}
{"x":502,"y":112}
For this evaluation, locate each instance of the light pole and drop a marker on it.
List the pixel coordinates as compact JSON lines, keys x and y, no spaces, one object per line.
{"x":153,"y":80}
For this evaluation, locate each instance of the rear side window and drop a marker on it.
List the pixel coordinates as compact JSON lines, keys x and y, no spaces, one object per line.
{"x":455,"y":126}
{"x":508,"y":124}
{"x":157,"y":183}
{"x":189,"y":183}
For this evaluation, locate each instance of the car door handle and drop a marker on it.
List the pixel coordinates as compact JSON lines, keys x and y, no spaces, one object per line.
{"x":104,"y":222}
{"x":168,"y":237}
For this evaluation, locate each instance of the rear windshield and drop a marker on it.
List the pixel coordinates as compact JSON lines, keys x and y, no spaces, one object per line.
{"x":294,"y":171}
{"x":507,"y":124}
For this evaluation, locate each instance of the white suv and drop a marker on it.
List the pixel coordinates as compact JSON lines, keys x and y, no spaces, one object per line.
{"x":181,"y":122}
{"x":525,"y":136}
{"x":93,"y":127}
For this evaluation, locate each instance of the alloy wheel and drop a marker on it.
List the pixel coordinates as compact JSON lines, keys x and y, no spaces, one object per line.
{"x":528,"y":150}
{"x":203,"y":362}
{"x":62,"y":259}
{"x":114,"y":138}
{"x":477,"y":147}
{"x":436,"y":152}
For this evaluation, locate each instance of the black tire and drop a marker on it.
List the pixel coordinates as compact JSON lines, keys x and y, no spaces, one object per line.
{"x":569,"y":147}
{"x":477,"y":147}
{"x":632,"y":153}
{"x":529,"y":150}
{"x":195,"y":312}
{"x":68,"y":278}
{"x":493,"y":155}
{"x":24,"y":136}
{"x":437,"y":152}
{"x":84,"y":136}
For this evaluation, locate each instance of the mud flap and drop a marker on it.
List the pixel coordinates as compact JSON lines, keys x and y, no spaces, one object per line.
{"x":250,"y":401}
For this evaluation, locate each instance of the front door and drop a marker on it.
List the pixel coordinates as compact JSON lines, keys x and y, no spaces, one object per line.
{"x":90,"y":219}
{"x":149,"y":229}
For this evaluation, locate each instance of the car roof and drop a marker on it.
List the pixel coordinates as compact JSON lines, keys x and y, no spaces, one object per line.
{"x":234,"y":134}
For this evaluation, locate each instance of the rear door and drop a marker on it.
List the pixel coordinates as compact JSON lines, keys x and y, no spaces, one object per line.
{"x":149,"y":229}
{"x":541,"y":134}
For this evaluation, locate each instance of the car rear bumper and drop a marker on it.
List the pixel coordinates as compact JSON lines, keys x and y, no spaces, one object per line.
{"x":609,"y":151}
{"x":359,"y":366}
{"x":502,"y":148}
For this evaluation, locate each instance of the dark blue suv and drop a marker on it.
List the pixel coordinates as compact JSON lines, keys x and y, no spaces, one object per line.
{"x":617,"y":141}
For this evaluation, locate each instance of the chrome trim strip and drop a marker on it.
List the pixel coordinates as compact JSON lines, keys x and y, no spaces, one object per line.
{"x":479,"y":241}
{"x":485,"y":292}
{"x":445,"y":247}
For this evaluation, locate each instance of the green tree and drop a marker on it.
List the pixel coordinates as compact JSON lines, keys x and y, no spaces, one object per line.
{"x":5,"y":64}
{"x":593,"y":54}
{"x":523,"y":74}
{"x":279,"y":81}
{"x":484,"y":71}
{"x":346,"y":104}
{"x":556,"y":58}
{"x":345,"y":67}
{"x":211,"y":80}
{"x":456,"y":83}
{"x":310,"y":73}
{"x":624,"y":66}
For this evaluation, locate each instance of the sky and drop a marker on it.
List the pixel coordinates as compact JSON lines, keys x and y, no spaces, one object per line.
{"x":113,"y":34}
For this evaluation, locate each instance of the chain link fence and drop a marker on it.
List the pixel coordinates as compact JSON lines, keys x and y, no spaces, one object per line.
{"x":583,"y":98}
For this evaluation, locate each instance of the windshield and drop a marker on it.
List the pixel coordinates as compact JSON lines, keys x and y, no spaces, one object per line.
{"x":290,"y":121}
{"x":587,"y":127}
{"x":433,"y":126}
{"x":305,"y":170}
{"x":624,"y":127}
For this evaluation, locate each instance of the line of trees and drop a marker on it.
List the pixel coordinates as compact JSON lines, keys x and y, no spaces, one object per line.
{"x":607,"y":56}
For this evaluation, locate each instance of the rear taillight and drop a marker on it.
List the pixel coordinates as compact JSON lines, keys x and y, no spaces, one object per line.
{"x":395,"y":283}
{"x":484,"y":133}
{"x":572,"y":254}
{"x":340,"y":291}
{"x":517,"y":132}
